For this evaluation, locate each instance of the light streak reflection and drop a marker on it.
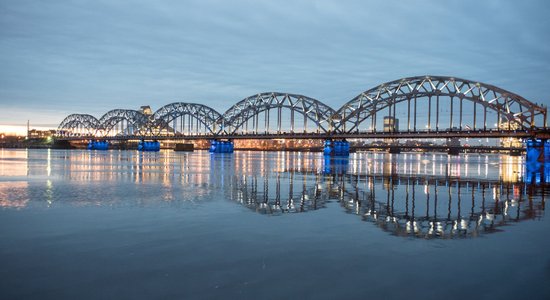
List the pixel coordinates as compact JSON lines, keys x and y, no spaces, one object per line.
{"x":419,"y":195}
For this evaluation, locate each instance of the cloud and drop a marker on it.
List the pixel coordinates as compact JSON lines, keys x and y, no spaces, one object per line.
{"x":75,"y":56}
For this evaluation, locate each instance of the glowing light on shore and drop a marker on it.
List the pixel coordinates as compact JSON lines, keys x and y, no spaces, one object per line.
{"x":19,"y":130}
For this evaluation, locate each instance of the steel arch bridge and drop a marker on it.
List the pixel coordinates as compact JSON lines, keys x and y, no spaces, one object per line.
{"x":130,"y":122}
{"x":512,"y":111}
{"x":426,"y":107}
{"x":249,"y":109}
{"x":78,"y":123}
{"x":190,"y":117}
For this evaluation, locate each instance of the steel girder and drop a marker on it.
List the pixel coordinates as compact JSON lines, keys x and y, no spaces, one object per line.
{"x":206,"y":115}
{"x":73,"y":121}
{"x":507,"y":105}
{"x":136,"y":119}
{"x":247,"y":108}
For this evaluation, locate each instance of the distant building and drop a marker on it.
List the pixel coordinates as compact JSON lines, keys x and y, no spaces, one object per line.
{"x":391,"y":124}
{"x":40,"y":134}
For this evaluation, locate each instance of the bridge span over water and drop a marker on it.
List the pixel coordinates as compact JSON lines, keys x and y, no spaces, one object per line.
{"x":408,"y":108}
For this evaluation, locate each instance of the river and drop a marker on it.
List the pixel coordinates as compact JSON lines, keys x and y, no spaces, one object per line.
{"x":271,"y":225}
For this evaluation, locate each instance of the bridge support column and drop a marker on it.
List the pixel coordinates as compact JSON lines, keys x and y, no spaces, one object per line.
{"x":394,"y":146}
{"x":221,"y":146}
{"x":454,"y":146}
{"x":336,"y":148}
{"x":98,"y":145}
{"x":453,"y":151}
{"x":394,"y":149}
{"x":538,"y":151}
{"x":153,"y":146}
{"x":537,"y":161}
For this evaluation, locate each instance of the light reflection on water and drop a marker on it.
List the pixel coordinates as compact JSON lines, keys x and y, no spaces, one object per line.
{"x":410,"y":194}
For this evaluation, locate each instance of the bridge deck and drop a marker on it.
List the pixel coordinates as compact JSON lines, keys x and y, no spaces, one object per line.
{"x":543,"y":134}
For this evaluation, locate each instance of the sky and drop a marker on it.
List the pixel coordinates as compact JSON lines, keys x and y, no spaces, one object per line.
{"x":63,"y":57}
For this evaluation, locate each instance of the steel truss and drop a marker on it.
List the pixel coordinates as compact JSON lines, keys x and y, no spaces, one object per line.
{"x":512,"y":111}
{"x":195,"y":113}
{"x":238,"y":115}
{"x":517,"y":112}
{"x":78,"y":123}
{"x":132,"y":122}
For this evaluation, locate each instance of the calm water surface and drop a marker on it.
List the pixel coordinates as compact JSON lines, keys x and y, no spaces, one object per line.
{"x":270,"y":225}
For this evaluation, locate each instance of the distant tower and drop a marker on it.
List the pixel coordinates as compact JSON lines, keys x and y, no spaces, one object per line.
{"x":28,"y":129}
{"x":391,"y":124}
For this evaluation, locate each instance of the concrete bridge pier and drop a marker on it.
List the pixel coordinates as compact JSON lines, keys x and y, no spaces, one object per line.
{"x":98,"y":145}
{"x":537,"y":160}
{"x":395,"y":149}
{"x":538,"y":150}
{"x":454,"y":146}
{"x":217,"y":146}
{"x":151,"y":146}
{"x":453,"y":151}
{"x":336,"y":148}
{"x":394,"y":146}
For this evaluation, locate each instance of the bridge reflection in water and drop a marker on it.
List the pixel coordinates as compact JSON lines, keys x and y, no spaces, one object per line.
{"x":293,"y":193}
{"x":451,"y":208}
{"x":411,"y":195}
{"x":405,"y":195}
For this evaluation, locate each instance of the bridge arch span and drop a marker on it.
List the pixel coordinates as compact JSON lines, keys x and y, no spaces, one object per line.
{"x":124,"y":122}
{"x":78,"y":124}
{"x":248,"y":110}
{"x":488,"y":107}
{"x":179,"y":117}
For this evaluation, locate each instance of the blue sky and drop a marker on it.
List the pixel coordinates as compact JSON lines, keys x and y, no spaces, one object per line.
{"x":62,"y":57}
